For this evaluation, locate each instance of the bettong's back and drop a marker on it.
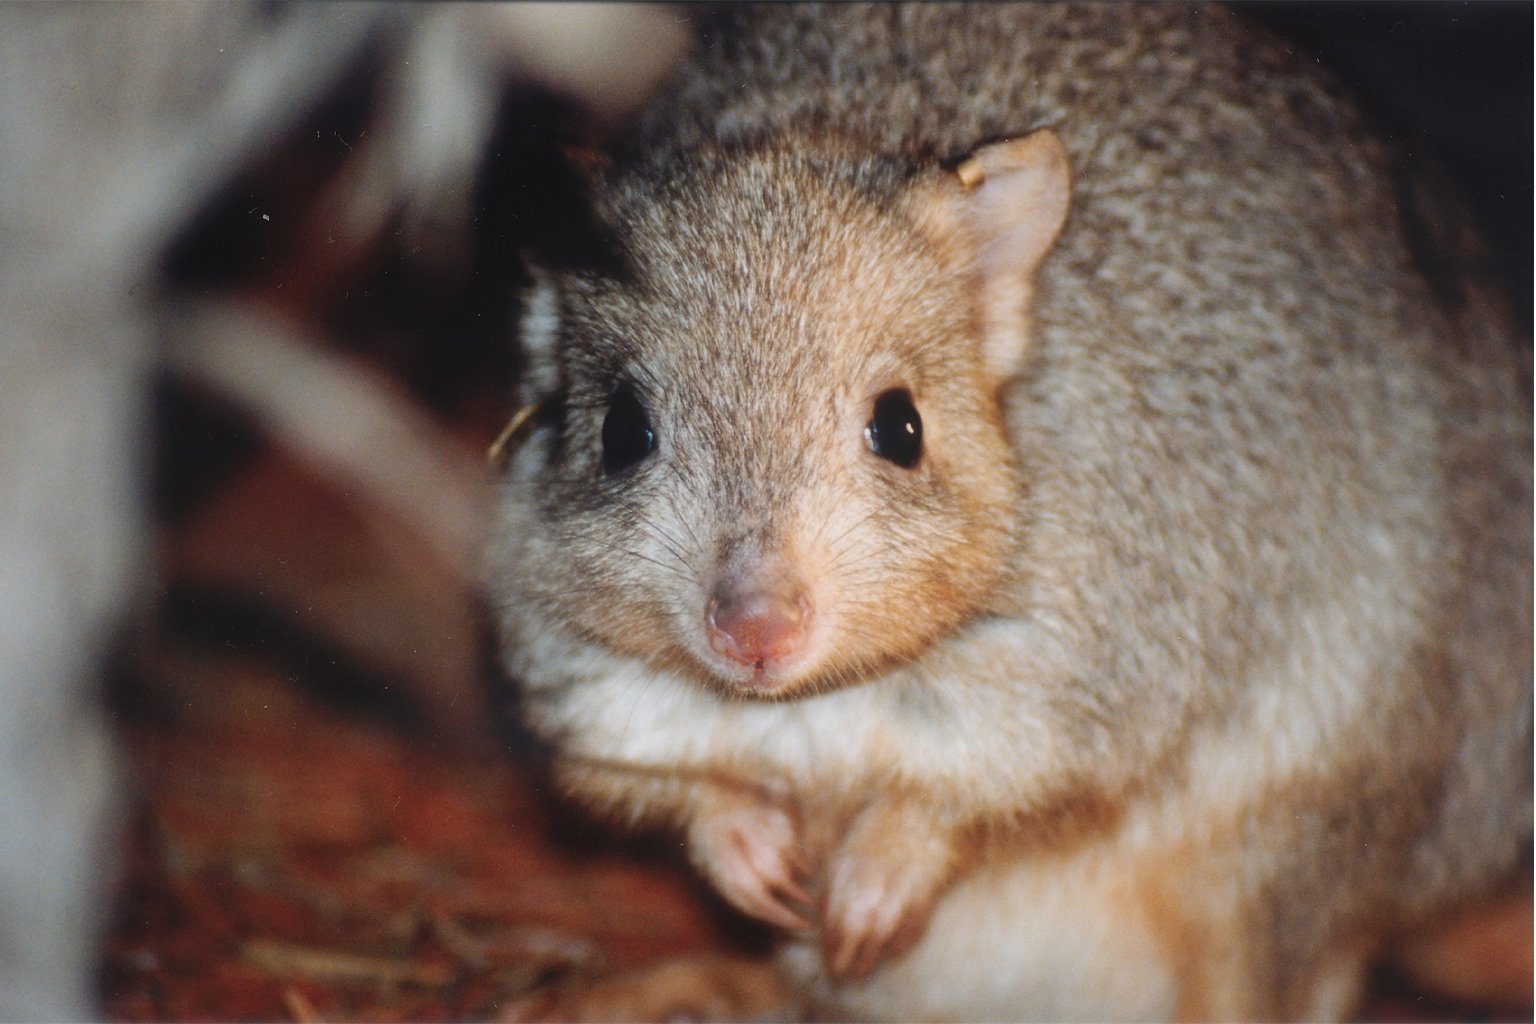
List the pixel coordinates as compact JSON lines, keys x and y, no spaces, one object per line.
{"x":1271,"y":445}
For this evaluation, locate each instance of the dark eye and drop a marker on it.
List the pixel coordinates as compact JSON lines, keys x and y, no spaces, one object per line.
{"x":627,"y":433}
{"x":895,"y":431}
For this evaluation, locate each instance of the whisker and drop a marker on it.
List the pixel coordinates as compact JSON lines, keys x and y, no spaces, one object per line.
{"x":676,"y":571}
{"x":666,"y":540}
{"x":856,"y":524}
{"x":632,"y":688}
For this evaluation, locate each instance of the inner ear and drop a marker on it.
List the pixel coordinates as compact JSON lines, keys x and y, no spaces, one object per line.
{"x":538,"y":334}
{"x":999,"y":213}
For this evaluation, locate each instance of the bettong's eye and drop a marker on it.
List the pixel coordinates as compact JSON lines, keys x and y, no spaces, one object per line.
{"x":627,"y":434}
{"x":895,"y":431}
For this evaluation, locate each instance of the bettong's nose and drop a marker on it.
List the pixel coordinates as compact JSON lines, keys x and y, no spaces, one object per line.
{"x":758,"y":617}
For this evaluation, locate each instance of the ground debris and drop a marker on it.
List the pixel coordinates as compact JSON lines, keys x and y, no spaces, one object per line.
{"x":291,"y":861}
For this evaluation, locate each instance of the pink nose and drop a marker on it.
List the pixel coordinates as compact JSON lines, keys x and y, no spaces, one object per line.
{"x":753,"y":626}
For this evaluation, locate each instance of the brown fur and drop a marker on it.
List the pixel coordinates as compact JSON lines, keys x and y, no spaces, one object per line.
{"x":1194,"y":656}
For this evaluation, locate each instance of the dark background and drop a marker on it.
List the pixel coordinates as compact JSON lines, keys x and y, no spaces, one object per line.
{"x":1448,"y":80}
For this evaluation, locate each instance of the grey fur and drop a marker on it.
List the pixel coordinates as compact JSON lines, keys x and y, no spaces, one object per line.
{"x":1257,"y":559}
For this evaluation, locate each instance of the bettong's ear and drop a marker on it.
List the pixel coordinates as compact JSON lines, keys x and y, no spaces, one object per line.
{"x":1000,"y":212}
{"x":538,"y":331}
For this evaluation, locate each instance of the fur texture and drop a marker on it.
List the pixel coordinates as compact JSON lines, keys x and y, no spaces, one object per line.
{"x":1191,"y":659}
